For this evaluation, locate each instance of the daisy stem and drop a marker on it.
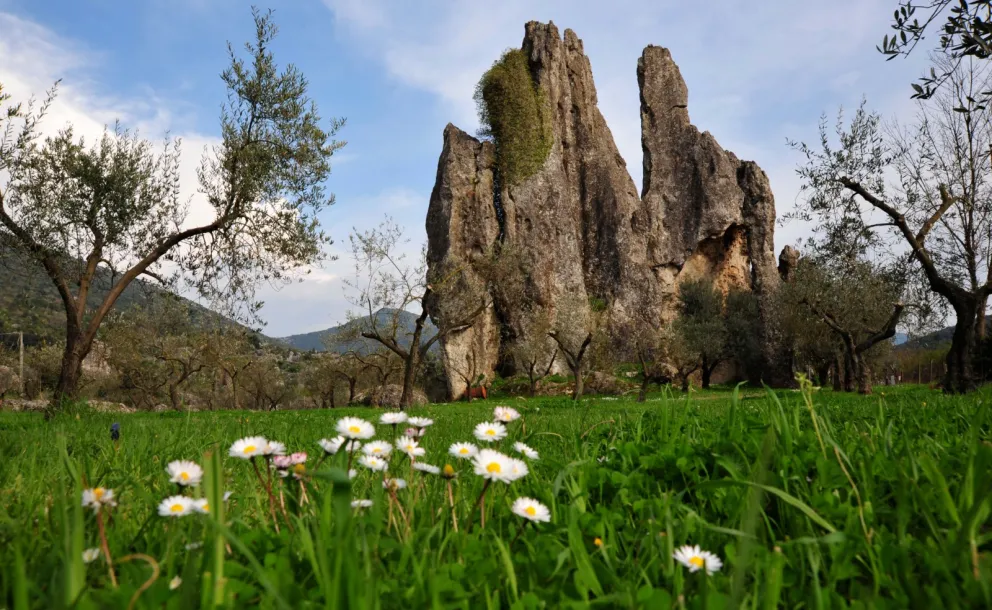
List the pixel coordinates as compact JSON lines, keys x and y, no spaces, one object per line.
{"x":519,"y":532}
{"x":392,"y":519}
{"x":105,"y":547}
{"x":399,"y":507}
{"x":351,"y":454}
{"x":320,"y":461}
{"x":303,"y":493}
{"x":481,"y":502}
{"x":268,"y":490}
{"x":451,"y":502}
{"x":706,"y":586}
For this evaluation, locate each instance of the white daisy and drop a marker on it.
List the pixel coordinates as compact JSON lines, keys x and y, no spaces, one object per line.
{"x":184,"y":472}
{"x":249,"y":447}
{"x":394,"y":483}
{"x":422,"y":467}
{"x":531,"y":509}
{"x":526,"y":451}
{"x":489,"y":432}
{"x":410,"y":446}
{"x":174,"y":583}
{"x":227,"y":495}
{"x":91,"y":555}
{"x":518,"y":469}
{"x":377,"y":448}
{"x":331,"y":446}
{"x":376,"y":464}
{"x":352,"y":473}
{"x":392,"y":418}
{"x":175,"y":506}
{"x":493,"y":465}
{"x":463,"y":450}
{"x":696,"y":559}
{"x":419,"y":422}
{"x":98,"y":497}
{"x":193,"y":546}
{"x":505,"y":414}
{"x":282,"y":462}
{"x":200,"y":505}
{"x":275,"y":448}
{"x":355,"y":427}
{"x":361,"y":503}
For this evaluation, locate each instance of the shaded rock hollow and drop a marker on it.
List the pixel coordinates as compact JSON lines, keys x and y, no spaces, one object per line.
{"x":580,"y":223}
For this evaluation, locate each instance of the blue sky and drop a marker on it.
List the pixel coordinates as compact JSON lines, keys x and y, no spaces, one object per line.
{"x":399,"y":70}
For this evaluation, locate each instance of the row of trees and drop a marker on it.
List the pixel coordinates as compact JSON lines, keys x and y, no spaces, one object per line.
{"x":154,"y":357}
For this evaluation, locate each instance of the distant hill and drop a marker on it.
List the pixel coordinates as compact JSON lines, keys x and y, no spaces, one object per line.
{"x":30,"y":303}
{"x":934,"y":340}
{"x":319,"y":340}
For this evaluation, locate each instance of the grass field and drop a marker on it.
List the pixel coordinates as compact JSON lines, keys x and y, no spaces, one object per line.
{"x":811,"y":501}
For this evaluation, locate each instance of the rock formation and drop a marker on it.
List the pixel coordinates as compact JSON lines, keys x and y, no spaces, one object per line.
{"x":579,"y":221}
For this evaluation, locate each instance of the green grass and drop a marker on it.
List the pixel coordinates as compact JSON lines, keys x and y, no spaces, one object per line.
{"x":883,"y":503}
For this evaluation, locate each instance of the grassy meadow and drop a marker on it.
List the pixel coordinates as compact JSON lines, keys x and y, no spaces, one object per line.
{"x":810,"y":499}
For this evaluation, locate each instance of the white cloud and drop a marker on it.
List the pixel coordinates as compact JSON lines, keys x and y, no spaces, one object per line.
{"x":35,"y":57}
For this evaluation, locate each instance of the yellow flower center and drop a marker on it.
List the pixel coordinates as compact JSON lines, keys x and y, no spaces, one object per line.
{"x":494,"y":467}
{"x":206,"y":507}
{"x":376,"y":450}
{"x":463,"y":450}
{"x":598,"y":542}
{"x":98,"y":493}
{"x":354,"y":429}
{"x":249,"y":449}
{"x":531,"y":511}
{"x":490,"y":432}
{"x":176,"y":508}
{"x":697,"y":561}
{"x":184,"y":476}
{"x":448,"y":470}
{"x":300,"y":468}
{"x":410,"y":447}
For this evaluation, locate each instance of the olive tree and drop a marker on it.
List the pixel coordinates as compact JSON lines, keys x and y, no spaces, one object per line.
{"x":858,"y":301}
{"x":157,"y":350}
{"x":576,"y":323}
{"x":923,"y":192}
{"x":700,"y":326}
{"x":110,"y":211}
{"x":531,"y":351}
{"x":386,"y":285}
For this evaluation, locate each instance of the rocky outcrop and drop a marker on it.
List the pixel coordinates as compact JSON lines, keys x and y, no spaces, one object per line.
{"x":462,"y":227}
{"x":579,"y":221}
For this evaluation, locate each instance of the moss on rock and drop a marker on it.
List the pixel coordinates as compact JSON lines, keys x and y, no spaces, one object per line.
{"x":514,"y":113}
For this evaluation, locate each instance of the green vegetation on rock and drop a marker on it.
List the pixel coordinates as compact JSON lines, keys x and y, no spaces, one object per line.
{"x":514,"y":113}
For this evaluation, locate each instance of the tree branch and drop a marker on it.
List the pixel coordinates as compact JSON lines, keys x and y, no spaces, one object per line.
{"x":886,"y":332}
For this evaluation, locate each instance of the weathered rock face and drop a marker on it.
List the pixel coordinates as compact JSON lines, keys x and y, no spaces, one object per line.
{"x":461,"y":227}
{"x":579,"y":221}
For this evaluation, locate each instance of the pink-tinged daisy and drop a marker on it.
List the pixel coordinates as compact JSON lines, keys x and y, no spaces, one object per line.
{"x":505,"y":414}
